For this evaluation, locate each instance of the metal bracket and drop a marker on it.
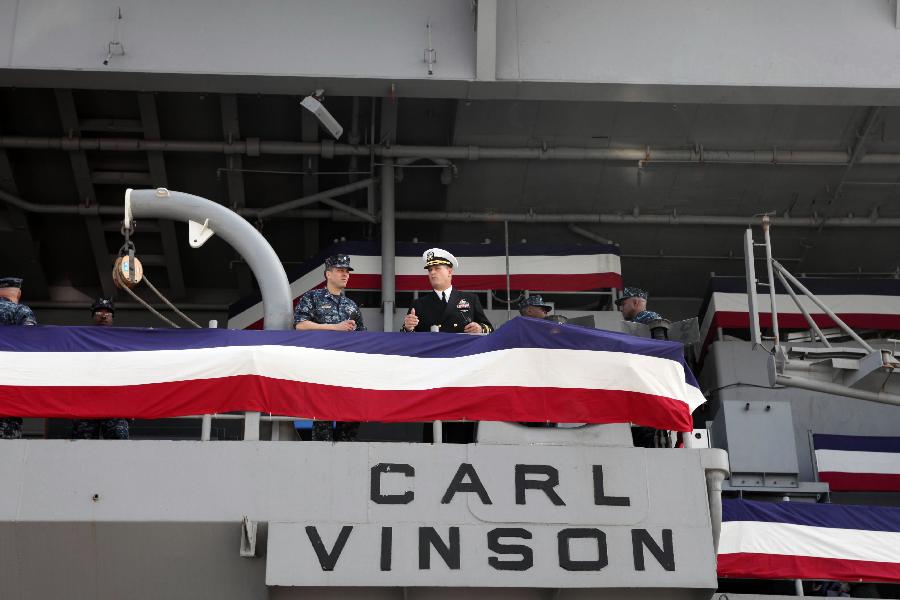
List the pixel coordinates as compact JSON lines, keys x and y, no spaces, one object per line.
{"x":129,"y":218}
{"x":248,"y":537}
{"x":199,"y":233}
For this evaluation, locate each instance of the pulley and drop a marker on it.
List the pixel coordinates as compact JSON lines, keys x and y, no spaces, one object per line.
{"x":123,"y":275}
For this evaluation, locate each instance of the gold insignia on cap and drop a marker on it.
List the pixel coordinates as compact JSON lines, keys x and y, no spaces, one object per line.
{"x":430,"y":255}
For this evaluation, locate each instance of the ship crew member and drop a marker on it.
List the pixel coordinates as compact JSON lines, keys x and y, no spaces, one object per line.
{"x":102,"y":314}
{"x":633,"y":306}
{"x":13,"y":312}
{"x":451,"y":310}
{"x":534,"y":307}
{"x":330,"y":309}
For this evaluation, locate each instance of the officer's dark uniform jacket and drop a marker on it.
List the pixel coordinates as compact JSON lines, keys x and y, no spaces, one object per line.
{"x":461,"y":308}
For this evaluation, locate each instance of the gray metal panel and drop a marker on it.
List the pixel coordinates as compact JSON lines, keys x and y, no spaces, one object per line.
{"x":733,"y":371}
{"x":646,"y":478}
{"x":760,"y":438}
{"x":139,"y":522}
{"x":141,"y":561}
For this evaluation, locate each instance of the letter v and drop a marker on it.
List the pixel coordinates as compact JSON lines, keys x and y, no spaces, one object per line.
{"x":328,"y":559}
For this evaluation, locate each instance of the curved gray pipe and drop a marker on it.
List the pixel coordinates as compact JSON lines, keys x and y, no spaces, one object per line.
{"x":234,"y":229}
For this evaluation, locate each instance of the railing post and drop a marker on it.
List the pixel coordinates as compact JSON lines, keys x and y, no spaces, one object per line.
{"x":206,"y":423}
{"x":251,"y":426}
{"x":206,"y":428}
{"x":768,"y":244}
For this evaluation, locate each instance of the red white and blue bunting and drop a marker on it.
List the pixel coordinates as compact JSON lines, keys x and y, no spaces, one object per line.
{"x":794,"y":540}
{"x":528,"y":370}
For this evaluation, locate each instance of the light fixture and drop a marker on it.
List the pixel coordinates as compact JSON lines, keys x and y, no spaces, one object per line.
{"x":313,"y":103}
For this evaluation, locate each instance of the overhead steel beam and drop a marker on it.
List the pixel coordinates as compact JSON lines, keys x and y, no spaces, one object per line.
{"x":234,"y":163}
{"x":590,"y":235}
{"x":159,"y":178}
{"x":27,"y":252}
{"x":643,"y":219}
{"x":126,"y":178}
{"x":84,"y":185}
{"x":859,"y":147}
{"x":306,"y":200}
{"x":349,"y":209}
{"x":490,"y":217}
{"x":112,"y":125}
{"x":486,"y":40}
{"x":234,"y":176}
{"x":643,"y":154}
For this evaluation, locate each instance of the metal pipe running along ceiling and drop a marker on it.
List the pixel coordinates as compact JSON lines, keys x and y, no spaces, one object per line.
{"x":474,"y":217}
{"x":330,"y":149}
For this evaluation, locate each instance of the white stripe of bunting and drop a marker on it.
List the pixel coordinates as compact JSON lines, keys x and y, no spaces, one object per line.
{"x":844,"y":303}
{"x":846,"y":461}
{"x":522,"y":367}
{"x":788,"y":539}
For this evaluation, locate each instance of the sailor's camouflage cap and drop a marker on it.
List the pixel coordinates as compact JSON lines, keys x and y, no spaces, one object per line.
{"x":631,"y":292}
{"x":103,"y":304}
{"x":10,"y":282}
{"x":535,"y":300}
{"x":340,"y":261}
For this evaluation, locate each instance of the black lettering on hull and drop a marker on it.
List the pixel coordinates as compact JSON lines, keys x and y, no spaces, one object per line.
{"x":494,"y":545}
{"x":375,"y":483}
{"x":600,"y":497}
{"x":328,"y":560}
{"x":665,"y":556}
{"x":547,"y":485}
{"x":566,"y":561}
{"x":429,"y":538}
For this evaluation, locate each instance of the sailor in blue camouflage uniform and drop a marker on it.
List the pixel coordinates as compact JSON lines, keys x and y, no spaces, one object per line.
{"x":12,"y":312}
{"x":633,"y":306}
{"x":533,"y":306}
{"x":329,"y":308}
{"x":102,"y":314}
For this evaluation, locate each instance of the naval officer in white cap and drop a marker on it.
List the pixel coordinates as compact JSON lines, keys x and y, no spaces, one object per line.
{"x":448,"y":308}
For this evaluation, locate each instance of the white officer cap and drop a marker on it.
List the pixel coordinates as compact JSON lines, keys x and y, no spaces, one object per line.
{"x":439,"y":256}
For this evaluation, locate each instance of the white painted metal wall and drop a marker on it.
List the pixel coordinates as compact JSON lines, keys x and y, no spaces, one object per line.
{"x":814,"y":43}
{"x":803,"y":43}
{"x":340,"y":38}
